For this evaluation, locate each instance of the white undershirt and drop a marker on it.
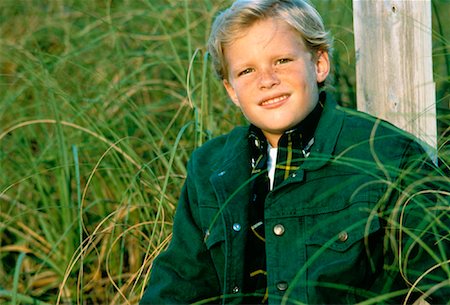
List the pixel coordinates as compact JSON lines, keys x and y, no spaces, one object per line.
{"x":271,"y":162}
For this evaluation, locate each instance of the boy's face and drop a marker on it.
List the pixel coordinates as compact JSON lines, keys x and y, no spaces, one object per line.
{"x":272,"y":77}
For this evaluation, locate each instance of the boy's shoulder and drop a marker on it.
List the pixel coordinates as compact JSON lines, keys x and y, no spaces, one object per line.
{"x":359,"y":123}
{"x":363,"y":132}
{"x":344,"y":130}
{"x":235,"y":138}
{"x":223,"y":147}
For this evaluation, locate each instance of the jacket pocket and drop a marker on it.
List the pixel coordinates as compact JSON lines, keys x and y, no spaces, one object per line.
{"x":344,"y":250}
{"x":212,"y":225}
{"x":340,"y":230}
{"x":214,"y":238}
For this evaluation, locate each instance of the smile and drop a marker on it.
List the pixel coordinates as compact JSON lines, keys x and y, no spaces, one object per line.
{"x":275,"y":100}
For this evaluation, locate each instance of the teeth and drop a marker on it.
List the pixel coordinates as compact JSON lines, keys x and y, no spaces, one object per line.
{"x":274,"y":100}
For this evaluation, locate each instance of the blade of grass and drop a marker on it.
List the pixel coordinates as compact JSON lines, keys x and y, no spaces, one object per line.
{"x":16,"y":277}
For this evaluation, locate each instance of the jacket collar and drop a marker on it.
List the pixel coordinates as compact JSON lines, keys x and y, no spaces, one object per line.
{"x":326,"y":136}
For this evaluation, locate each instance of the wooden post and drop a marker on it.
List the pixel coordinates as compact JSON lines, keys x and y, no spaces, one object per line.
{"x":394,"y":64}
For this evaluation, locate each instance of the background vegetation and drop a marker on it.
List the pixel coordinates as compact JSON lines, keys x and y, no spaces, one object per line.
{"x":101,"y":104}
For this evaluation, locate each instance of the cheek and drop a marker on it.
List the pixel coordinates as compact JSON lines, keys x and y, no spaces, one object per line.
{"x":310,"y":78}
{"x":242,"y":90}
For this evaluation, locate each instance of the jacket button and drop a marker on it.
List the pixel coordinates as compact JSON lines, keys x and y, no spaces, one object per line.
{"x":236,"y":289}
{"x":278,"y":230}
{"x":343,"y":236}
{"x":282,"y":286}
{"x":257,"y":143}
{"x":236,"y":227}
{"x":207,"y":233}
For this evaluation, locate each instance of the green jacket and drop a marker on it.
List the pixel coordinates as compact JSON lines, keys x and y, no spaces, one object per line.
{"x":332,"y":228}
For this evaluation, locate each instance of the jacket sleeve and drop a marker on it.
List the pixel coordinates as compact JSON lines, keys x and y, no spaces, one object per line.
{"x":422,"y":225}
{"x":184,"y":273}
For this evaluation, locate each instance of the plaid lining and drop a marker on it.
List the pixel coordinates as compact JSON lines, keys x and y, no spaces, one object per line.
{"x":293,"y":147}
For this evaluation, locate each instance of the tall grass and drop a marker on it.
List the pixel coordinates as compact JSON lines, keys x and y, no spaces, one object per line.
{"x":101,"y":104}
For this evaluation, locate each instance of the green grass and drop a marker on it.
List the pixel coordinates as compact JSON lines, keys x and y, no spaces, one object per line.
{"x":101,"y":104}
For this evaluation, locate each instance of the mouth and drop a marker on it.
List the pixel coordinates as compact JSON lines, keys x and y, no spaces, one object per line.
{"x":275,"y":101}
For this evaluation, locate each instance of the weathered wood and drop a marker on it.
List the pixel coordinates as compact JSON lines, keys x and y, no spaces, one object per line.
{"x":394,"y":64}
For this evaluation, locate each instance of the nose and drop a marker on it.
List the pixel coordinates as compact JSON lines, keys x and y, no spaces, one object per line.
{"x":268,"y":78}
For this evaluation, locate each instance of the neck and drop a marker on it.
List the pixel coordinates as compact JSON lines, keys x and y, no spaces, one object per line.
{"x":272,"y":139}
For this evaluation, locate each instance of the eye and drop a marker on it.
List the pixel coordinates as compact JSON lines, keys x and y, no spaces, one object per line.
{"x":283,"y":60}
{"x":246,"y":71}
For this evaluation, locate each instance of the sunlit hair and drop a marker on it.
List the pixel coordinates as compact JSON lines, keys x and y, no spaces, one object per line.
{"x":231,"y":23}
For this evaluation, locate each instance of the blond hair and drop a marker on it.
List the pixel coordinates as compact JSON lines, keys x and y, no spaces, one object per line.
{"x":231,"y":23}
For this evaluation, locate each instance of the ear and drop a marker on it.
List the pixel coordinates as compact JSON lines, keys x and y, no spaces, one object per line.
{"x":322,"y":66}
{"x":231,"y":92}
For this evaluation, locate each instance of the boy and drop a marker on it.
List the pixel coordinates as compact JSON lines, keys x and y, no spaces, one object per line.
{"x":310,"y":204}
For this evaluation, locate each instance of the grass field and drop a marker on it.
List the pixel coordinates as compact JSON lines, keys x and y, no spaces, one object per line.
{"x":101,"y":104}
